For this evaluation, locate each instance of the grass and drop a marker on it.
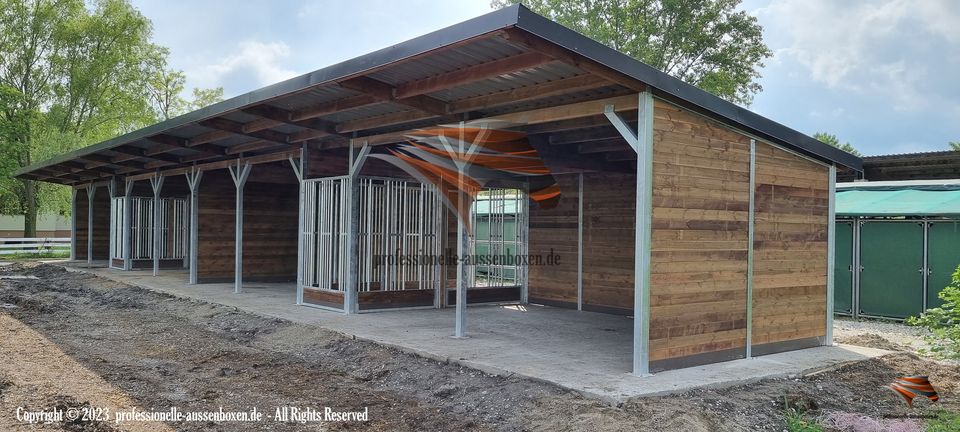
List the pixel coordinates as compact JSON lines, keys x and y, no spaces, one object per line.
{"x":944,"y":421}
{"x":33,"y":255}
{"x":796,"y":418}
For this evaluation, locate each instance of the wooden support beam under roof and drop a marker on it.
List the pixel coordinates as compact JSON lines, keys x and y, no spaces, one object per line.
{"x":167,"y":143}
{"x":134,"y":152}
{"x":222,"y":164}
{"x":387,"y":93}
{"x":322,"y":109}
{"x":579,"y":61}
{"x":97,"y":160}
{"x":315,"y":128}
{"x":471,"y":74}
{"x":493,"y":100}
{"x":236,"y":128}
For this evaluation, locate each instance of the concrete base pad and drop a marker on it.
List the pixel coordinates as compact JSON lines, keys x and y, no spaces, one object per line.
{"x":582,"y":351}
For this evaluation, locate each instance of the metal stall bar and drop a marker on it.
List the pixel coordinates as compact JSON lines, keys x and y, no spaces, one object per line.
{"x":157,"y":184}
{"x":926,"y":262}
{"x":112,"y":235}
{"x":73,"y":224}
{"x":240,"y":173}
{"x":642,"y":143}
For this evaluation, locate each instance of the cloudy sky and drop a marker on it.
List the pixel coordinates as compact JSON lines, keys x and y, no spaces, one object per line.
{"x":882,"y":74}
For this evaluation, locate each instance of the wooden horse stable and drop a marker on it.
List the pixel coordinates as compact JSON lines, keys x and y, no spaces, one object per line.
{"x":706,"y":223}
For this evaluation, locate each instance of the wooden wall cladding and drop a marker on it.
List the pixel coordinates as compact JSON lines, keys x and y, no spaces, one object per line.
{"x":609,"y":212}
{"x":555,"y":229}
{"x":269,"y":235}
{"x":701,"y":198}
{"x":101,"y":224}
{"x":790,"y":247}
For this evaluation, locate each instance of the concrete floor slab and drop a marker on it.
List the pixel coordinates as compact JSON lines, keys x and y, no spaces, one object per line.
{"x":582,"y":351}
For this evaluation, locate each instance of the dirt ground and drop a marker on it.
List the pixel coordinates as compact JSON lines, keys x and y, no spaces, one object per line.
{"x":73,"y":340}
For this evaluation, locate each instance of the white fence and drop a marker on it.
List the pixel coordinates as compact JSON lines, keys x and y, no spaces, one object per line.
{"x":34,"y":245}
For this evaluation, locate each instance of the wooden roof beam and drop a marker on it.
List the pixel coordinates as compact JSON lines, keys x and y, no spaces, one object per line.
{"x":236,"y":128}
{"x":167,"y":143}
{"x":338,"y":105}
{"x":471,"y":74}
{"x":493,"y":100}
{"x":138,"y":153}
{"x":315,"y":128}
{"x":387,"y":93}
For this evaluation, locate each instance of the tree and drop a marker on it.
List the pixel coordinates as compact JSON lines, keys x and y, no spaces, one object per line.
{"x":954,"y":145}
{"x":71,"y":73}
{"x":206,"y":97}
{"x":834,"y":141}
{"x":707,"y":43}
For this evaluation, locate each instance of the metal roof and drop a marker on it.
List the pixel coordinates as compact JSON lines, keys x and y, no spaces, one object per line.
{"x":344,"y":91}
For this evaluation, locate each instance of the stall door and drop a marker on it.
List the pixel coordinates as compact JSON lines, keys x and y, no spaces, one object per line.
{"x":843,"y":269}
{"x":943,"y":258}
{"x":891,"y":281}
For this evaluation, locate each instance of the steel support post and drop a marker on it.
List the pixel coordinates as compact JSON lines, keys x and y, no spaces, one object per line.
{"x":156,"y":183}
{"x":463,"y":239}
{"x":750,"y":229}
{"x":642,"y":143}
{"x":351,"y":285}
{"x":73,"y":225}
{"x":193,"y":182}
{"x":239,"y":173}
{"x":111,"y":237}
{"x":127,"y":219}
{"x":831,"y":252}
{"x":926,"y":262}
{"x":297,"y":166}
{"x":91,"y":193}
{"x":580,"y":242}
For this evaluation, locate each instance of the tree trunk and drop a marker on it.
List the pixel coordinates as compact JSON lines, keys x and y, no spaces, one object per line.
{"x":30,"y":210}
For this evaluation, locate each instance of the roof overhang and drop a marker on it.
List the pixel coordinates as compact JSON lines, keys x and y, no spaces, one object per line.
{"x":500,"y":64}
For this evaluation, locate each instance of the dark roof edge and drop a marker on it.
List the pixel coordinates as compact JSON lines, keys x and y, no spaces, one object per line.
{"x":471,"y":28}
{"x":742,"y":117}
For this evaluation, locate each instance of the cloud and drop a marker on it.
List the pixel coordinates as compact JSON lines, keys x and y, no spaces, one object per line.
{"x":254,"y":64}
{"x":897,"y":48}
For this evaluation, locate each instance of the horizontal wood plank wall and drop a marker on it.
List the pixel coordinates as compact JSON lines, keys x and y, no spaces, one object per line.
{"x":790,"y":247}
{"x":555,"y":229}
{"x":101,"y":224}
{"x":701,"y":196}
{"x":269,"y":235}
{"x":609,"y":213}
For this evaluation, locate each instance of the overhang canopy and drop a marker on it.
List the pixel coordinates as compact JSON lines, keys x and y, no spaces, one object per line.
{"x":898,"y":199}
{"x":502,"y":65}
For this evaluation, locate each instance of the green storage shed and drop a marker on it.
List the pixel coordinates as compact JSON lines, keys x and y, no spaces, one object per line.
{"x":897,"y":246}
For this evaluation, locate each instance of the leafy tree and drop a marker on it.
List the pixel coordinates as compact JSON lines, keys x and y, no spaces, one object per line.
{"x":206,"y":97}
{"x":944,"y":321}
{"x":954,"y":145}
{"x":834,"y":141}
{"x":73,"y":72}
{"x":707,"y":43}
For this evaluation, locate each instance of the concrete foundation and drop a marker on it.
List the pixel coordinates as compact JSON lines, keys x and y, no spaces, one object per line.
{"x":585,"y":352}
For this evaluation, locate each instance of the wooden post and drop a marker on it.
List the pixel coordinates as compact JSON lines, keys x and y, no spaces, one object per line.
{"x":157,"y":184}
{"x":193,"y":182}
{"x":239,"y":175}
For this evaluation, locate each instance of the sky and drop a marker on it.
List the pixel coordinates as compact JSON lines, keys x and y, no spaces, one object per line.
{"x":883,"y":75}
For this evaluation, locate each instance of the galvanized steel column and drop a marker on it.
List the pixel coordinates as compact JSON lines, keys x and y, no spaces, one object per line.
{"x":301,"y":194}
{"x":91,"y":193}
{"x":239,"y":175}
{"x":157,"y":183}
{"x":193,"y":182}
{"x":750,"y":233}
{"x":831,"y":251}
{"x":73,"y":225}
{"x":126,"y":229}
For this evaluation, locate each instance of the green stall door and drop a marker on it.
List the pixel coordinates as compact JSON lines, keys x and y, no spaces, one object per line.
{"x":843,"y":268}
{"x":891,"y":282}
{"x":942,"y":259}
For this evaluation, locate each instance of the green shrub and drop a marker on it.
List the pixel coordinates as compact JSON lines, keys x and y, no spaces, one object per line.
{"x":944,"y":421}
{"x":943,"y":322}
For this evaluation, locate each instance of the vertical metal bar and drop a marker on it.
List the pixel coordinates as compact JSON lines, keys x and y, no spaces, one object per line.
{"x":643,"y":229}
{"x":193,"y":181}
{"x":157,"y":183}
{"x":926,"y":261}
{"x":855,"y":308}
{"x":91,"y":193}
{"x":580,"y":242}
{"x":750,"y":233}
{"x":239,"y":174}
{"x":831,"y":252}
{"x":127,"y":233}
{"x":73,"y":224}
{"x":301,"y":195}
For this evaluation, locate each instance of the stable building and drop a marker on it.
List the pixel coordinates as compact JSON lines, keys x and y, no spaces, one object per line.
{"x":629,"y":191}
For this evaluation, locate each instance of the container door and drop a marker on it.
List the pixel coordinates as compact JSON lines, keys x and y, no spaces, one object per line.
{"x":843,"y":268}
{"x":891,"y":282}
{"x":943,"y":257}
